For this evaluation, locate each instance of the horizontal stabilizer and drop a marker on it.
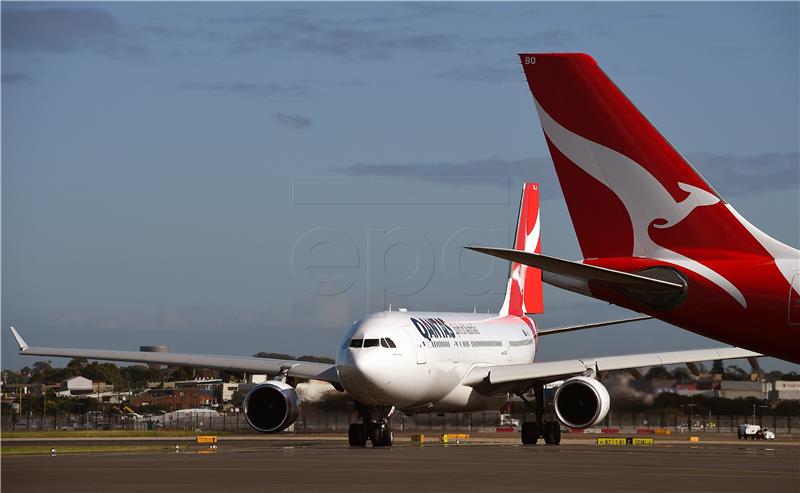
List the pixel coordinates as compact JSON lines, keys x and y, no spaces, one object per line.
{"x":593,"y":325}
{"x":584,"y":272}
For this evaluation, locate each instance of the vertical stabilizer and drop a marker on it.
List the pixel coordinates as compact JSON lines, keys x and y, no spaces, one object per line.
{"x":629,"y":192}
{"x":524,"y":291}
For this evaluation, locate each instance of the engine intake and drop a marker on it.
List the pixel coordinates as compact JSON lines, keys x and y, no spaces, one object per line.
{"x":271,"y":407}
{"x":581,"y":402}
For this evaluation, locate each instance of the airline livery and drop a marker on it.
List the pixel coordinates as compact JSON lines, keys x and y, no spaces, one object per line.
{"x":655,"y":237}
{"x":436,"y":362}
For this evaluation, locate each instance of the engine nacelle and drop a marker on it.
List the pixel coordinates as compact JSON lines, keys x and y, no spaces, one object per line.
{"x":581,"y":402}
{"x":271,"y":407}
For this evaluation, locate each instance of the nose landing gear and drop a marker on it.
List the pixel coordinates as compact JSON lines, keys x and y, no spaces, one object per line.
{"x":375,"y":427}
{"x":381,"y":433}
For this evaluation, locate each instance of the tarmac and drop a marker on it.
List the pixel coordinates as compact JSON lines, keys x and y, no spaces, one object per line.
{"x":324,"y":462}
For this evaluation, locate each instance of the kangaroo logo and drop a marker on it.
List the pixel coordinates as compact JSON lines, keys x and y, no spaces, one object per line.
{"x":517,"y":282}
{"x":646,"y":200}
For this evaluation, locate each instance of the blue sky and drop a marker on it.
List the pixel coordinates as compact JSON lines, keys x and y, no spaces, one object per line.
{"x":168,"y":167}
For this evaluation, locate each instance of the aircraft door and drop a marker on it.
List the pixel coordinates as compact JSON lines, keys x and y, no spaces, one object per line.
{"x":794,"y":300}
{"x":418,"y":343}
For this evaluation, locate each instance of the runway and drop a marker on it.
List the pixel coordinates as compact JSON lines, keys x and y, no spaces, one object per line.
{"x":324,"y":464}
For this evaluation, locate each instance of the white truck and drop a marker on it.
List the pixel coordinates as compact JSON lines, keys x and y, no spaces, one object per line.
{"x":507,"y":420}
{"x":755,"y":432}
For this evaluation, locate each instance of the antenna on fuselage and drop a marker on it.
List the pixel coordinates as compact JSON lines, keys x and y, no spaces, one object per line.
{"x":390,"y":307}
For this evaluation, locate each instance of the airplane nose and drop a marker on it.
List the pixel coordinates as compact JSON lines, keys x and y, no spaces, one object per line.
{"x":373,"y":367}
{"x":366,"y":374}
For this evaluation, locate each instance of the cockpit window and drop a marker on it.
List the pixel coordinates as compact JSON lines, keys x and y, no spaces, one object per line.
{"x":382,"y":342}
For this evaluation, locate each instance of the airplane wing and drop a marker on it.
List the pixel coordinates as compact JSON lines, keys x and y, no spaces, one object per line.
{"x":494,"y":376}
{"x":583,"y":272}
{"x":293,"y":368}
{"x":593,"y":325}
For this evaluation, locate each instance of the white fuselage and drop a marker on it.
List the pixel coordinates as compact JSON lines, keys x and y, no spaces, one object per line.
{"x":432,"y":354}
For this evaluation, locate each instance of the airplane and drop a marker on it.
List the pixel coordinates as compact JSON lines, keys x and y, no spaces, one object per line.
{"x":436,"y":362}
{"x":655,"y":237}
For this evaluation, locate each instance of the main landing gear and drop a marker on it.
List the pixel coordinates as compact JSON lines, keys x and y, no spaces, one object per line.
{"x":550,"y":431}
{"x":375,"y":427}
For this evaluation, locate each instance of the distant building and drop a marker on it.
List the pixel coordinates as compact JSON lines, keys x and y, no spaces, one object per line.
{"x":785,"y":389}
{"x":83,"y":387}
{"x":697,"y":388}
{"x":185,"y":394}
{"x":734,"y":389}
{"x":226,"y":391}
{"x":76,"y":386}
{"x":258,"y":378}
{"x":176,"y":398}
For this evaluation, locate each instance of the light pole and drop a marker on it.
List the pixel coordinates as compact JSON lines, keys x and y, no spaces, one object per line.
{"x":761,"y":421}
{"x":44,"y":406}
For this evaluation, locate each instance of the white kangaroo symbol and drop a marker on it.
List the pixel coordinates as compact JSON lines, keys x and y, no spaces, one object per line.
{"x":520,"y":271}
{"x":643,"y":196}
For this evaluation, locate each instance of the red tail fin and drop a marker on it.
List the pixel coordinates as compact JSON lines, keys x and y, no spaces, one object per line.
{"x":524,"y":292}
{"x":626,"y":187}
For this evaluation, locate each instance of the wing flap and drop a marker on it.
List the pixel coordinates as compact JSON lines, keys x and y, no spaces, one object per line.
{"x":669,"y":358}
{"x":503,"y":374}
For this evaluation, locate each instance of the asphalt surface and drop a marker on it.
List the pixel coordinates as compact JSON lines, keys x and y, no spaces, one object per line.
{"x":325,"y":464}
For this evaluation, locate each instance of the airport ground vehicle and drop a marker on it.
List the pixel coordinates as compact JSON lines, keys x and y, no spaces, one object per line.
{"x":754,"y":432}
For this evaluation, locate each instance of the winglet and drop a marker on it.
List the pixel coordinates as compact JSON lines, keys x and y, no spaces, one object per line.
{"x":20,"y":341}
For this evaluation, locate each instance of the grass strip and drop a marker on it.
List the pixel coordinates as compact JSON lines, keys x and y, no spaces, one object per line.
{"x":108,"y":433}
{"x":80,"y":449}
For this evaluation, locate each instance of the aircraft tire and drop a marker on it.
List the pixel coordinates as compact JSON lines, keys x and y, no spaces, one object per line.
{"x":356,"y":435}
{"x":552,"y":433}
{"x":529,"y":433}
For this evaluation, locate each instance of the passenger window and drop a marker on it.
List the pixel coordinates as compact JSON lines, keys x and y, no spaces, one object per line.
{"x":384,"y":343}
{"x":390,"y":343}
{"x":370,"y":343}
{"x":356,"y":342}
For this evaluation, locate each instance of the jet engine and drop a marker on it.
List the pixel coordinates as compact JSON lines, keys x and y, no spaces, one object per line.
{"x":271,"y":407}
{"x":581,"y":402}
